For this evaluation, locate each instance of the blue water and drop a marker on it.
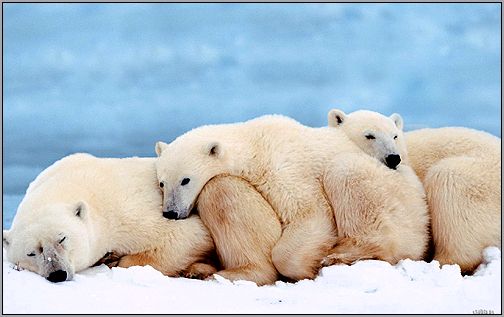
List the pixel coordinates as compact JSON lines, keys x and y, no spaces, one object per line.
{"x":112,"y":79}
{"x":10,"y":204}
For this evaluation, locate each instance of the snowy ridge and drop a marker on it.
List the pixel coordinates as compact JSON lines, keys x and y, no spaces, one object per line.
{"x":365,"y":287}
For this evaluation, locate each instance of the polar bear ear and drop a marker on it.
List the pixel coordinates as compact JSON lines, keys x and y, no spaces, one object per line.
{"x":398,"y":121}
{"x":335,"y":117}
{"x":214,"y":149}
{"x":160,"y":146}
{"x":6,"y":240}
{"x":80,"y":210}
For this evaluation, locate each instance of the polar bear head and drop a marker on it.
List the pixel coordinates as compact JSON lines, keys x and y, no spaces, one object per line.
{"x":377,"y":135}
{"x":50,"y":239}
{"x":183,"y":168}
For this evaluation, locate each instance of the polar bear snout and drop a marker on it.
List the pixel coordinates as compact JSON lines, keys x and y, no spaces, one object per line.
{"x":57,"y":276}
{"x":392,"y":160}
{"x":55,"y":266}
{"x":175,"y":215}
{"x":170,"y":214}
{"x":174,"y":210}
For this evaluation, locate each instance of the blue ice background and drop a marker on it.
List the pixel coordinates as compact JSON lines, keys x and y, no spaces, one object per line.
{"x":112,"y":79}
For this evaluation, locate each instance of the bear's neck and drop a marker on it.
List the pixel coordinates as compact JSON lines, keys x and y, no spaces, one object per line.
{"x":110,"y":229}
{"x":246,"y":160}
{"x":100,"y":236}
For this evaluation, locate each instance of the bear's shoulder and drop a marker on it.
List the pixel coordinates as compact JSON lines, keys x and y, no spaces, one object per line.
{"x":274,"y":118}
{"x":75,"y":158}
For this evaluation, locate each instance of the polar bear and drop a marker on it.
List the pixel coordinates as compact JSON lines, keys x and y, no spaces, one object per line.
{"x":375,"y":134}
{"x":381,"y":138}
{"x":299,"y":172}
{"x":460,"y":169}
{"x":83,"y":207}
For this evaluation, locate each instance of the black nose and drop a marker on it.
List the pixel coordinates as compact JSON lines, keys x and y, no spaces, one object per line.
{"x":392,"y":160}
{"x":57,"y":276}
{"x":170,"y":214}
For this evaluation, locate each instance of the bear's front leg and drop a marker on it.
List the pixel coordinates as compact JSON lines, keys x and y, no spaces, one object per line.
{"x":138,"y":259}
{"x":349,"y":250}
{"x":110,"y":259}
{"x":303,"y":245}
{"x":152,"y":258}
{"x":199,"y":271}
{"x":244,"y":228}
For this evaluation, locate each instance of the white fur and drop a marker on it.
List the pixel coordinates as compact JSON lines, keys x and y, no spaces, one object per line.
{"x":100,"y":205}
{"x":401,"y":231}
{"x":461,"y":171}
{"x":288,"y":163}
{"x":374,"y":133}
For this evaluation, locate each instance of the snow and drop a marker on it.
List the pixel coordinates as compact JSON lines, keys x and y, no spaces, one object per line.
{"x":365,"y":287}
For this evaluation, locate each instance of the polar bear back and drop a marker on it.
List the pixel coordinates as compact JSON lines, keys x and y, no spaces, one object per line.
{"x":98,"y":181}
{"x":428,"y":146}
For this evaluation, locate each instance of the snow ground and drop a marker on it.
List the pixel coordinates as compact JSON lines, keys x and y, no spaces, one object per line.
{"x":365,"y":287}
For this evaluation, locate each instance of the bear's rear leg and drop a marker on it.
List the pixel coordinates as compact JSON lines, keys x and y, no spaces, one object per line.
{"x":464,"y":196}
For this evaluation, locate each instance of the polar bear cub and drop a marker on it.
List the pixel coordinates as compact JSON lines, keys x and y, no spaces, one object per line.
{"x":461,"y":172}
{"x":459,"y":168}
{"x":393,"y":206}
{"x":374,"y":133}
{"x":282,"y":159}
{"x":310,"y":177}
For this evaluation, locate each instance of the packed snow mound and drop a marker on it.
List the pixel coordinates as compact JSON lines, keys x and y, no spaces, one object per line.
{"x":366,"y":287}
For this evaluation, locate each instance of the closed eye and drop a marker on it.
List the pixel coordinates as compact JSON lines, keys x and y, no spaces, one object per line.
{"x":370,"y":137}
{"x":31,"y":254}
{"x":61,"y":241}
